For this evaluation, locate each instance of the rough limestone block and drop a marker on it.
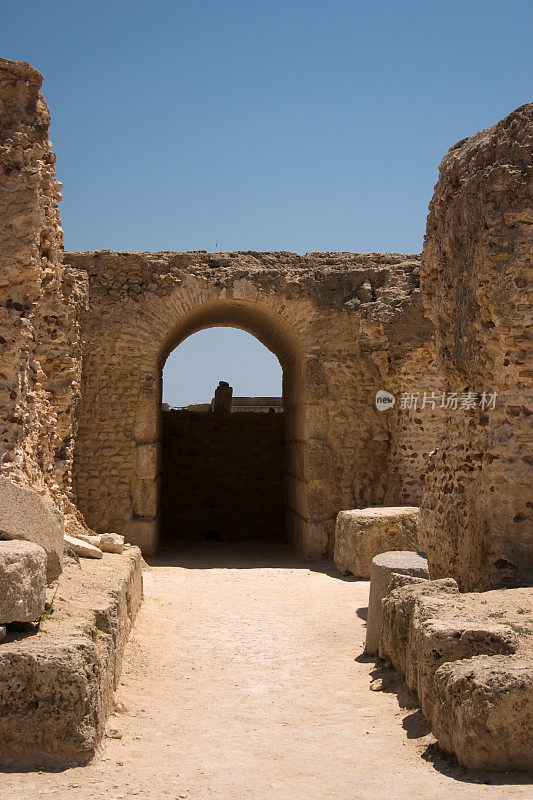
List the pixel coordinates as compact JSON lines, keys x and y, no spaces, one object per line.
{"x":24,"y":514}
{"x":49,"y":700}
{"x":384,"y":565}
{"x":483,"y":712}
{"x":56,"y":688}
{"x":363,"y":533}
{"x":144,"y":496}
{"x":438,"y":636}
{"x":22,"y":581}
{"x":147,"y":461}
{"x":397,"y":608}
{"x":82,"y":548}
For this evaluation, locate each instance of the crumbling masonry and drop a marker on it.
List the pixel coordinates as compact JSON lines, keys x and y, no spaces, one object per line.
{"x":84,"y":337}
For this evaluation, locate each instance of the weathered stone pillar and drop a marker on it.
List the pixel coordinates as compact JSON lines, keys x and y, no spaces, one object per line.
{"x":40,"y":363}
{"x":476,"y":514}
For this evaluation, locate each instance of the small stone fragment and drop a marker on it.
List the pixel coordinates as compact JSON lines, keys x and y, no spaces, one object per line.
{"x":111,"y":543}
{"x":83,"y":549}
{"x":376,"y":685}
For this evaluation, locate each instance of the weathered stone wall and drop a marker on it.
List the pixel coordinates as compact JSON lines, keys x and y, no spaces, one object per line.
{"x":476,"y":518}
{"x":40,"y":359}
{"x":342,"y":325}
{"x":222,"y":476}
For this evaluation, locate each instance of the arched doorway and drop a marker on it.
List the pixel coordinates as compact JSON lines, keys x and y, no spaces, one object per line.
{"x":222,"y":457}
{"x":131,"y":328}
{"x":278,"y":336}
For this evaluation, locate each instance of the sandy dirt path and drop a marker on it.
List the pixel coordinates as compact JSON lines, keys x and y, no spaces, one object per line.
{"x":243,"y":680}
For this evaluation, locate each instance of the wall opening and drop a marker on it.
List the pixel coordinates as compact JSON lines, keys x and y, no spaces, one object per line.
{"x":223,"y":457}
{"x":281,"y":435}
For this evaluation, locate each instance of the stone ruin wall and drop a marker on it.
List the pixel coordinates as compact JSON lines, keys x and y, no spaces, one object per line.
{"x":476,"y":517}
{"x":342,"y":325}
{"x":40,"y":298}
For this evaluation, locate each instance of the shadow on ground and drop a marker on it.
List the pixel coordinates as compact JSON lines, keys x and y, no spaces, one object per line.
{"x":248,"y":554}
{"x":417,"y":727}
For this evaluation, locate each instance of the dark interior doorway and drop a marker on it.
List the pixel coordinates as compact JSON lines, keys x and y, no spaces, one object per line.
{"x":222,"y":476}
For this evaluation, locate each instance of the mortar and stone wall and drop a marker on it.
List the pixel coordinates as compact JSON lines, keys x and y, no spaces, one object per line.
{"x":342,"y":326}
{"x":40,"y":298}
{"x":476,"y":517}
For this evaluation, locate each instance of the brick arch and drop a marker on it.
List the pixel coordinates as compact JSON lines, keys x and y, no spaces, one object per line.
{"x":262,"y":322}
{"x":181,"y":313}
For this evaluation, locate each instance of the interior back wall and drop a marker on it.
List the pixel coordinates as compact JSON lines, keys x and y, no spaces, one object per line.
{"x":222,"y":476}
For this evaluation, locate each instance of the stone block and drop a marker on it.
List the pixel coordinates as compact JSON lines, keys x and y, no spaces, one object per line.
{"x":315,"y":539}
{"x":56,"y":708}
{"x":397,"y":609}
{"x":438,"y":636}
{"x":24,"y":514}
{"x":361,"y":534}
{"x":143,"y":533}
{"x":318,"y":500}
{"x":402,"y":562}
{"x":23,"y":581}
{"x":316,"y":421}
{"x":483,"y":712}
{"x":56,"y":689}
{"x":144,"y":496}
{"x":319,"y":459}
{"x":147,"y":468}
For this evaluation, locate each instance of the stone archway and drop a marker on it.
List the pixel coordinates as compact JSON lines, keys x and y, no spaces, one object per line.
{"x":335,"y":322}
{"x":278,"y":336}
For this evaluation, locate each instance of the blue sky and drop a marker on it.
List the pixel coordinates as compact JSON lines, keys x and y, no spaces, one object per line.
{"x":264,"y":124}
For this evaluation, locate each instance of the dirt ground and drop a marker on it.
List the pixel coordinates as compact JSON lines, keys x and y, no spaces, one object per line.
{"x":244,"y":680}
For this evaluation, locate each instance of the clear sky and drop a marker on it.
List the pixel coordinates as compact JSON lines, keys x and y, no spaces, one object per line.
{"x":264,"y":124}
{"x":193,"y":369}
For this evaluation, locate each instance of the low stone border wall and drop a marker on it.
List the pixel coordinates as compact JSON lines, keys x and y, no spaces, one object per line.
{"x":57,"y":681}
{"x":469,"y":659}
